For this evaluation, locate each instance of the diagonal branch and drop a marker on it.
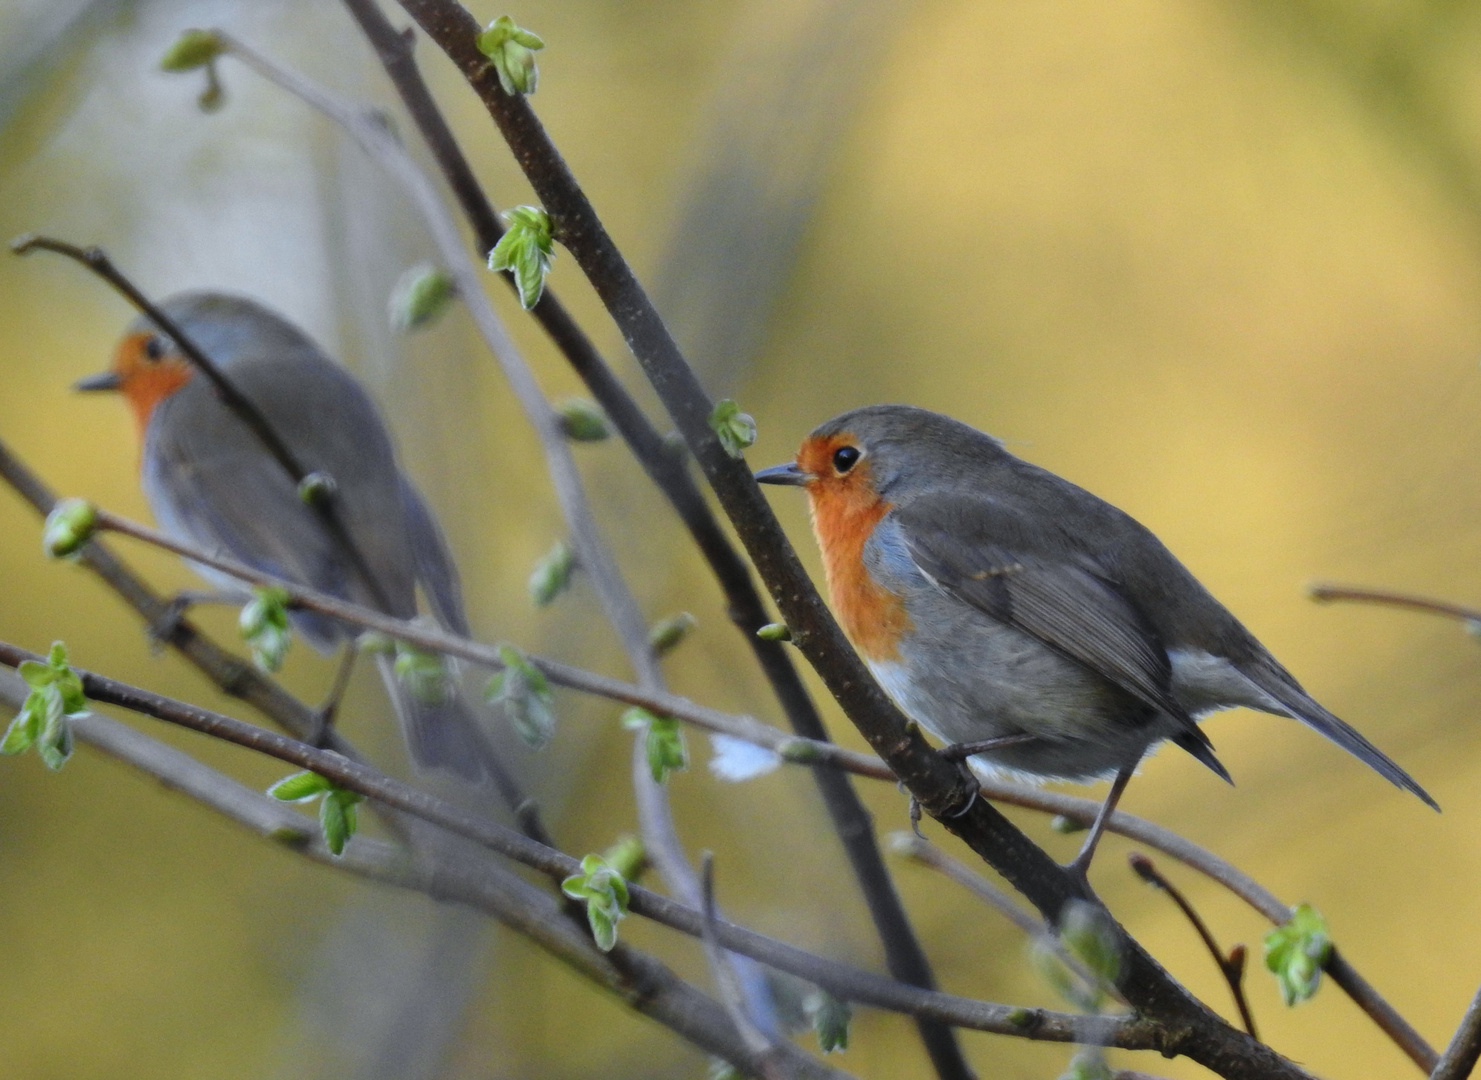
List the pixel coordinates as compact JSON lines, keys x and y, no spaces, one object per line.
{"x":904,"y":955}
{"x":938,"y":785}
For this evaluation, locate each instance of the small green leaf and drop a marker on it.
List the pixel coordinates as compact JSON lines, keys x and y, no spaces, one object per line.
{"x":420,"y":295}
{"x":526,"y":250}
{"x":423,"y":673}
{"x":775,"y":631}
{"x":265,"y":628}
{"x":68,"y":527}
{"x":23,"y":730}
{"x":552,"y":574}
{"x":192,"y":49}
{"x":523,"y":692}
{"x":663,"y":744}
{"x":1090,"y":935}
{"x":583,"y":421}
{"x":604,"y":891}
{"x":1089,"y":1063}
{"x":300,"y":787}
{"x":512,"y":49}
{"x":56,"y":695}
{"x":375,"y":644}
{"x":667,"y":634}
{"x":1296,"y":952}
{"x":627,"y":857}
{"x":1066,"y":826}
{"x":830,"y":1019}
{"x":316,"y":487}
{"x":334,"y":824}
{"x":735,"y":429}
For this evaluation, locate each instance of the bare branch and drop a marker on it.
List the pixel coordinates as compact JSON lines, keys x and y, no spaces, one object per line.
{"x":1465,"y":1046}
{"x":1230,"y":966}
{"x":1324,"y":593}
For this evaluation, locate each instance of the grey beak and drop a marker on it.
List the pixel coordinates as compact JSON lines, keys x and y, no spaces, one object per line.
{"x":788,"y":474}
{"x":103,"y":380}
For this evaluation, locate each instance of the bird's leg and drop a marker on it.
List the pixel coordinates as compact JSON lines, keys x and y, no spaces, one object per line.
{"x":327,"y":711}
{"x":962,"y":750}
{"x":164,"y":626}
{"x":1080,"y":867}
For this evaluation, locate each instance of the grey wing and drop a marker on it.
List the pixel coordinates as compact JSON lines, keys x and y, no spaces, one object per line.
{"x":975,"y":550}
{"x":435,"y":568}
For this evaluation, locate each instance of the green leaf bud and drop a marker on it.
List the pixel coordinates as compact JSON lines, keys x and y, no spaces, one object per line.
{"x":628,"y":857}
{"x":265,"y":628}
{"x":1090,"y":935}
{"x":512,"y":49}
{"x":583,"y":421}
{"x":524,"y":694}
{"x":552,"y":574}
{"x":424,"y":674}
{"x":191,"y":50}
{"x":775,"y":631}
{"x":1296,"y":951}
{"x":735,"y":429}
{"x":604,"y":891}
{"x":663,"y":742}
{"x":668,"y":633}
{"x":299,"y":787}
{"x":68,"y":527}
{"x":420,"y":295}
{"x":830,"y":1019}
{"x":526,"y":250}
{"x":316,"y":488}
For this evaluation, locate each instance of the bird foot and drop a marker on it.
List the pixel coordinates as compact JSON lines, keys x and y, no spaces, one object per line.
{"x":167,"y":623}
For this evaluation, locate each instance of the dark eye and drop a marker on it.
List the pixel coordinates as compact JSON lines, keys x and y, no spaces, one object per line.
{"x":154,"y":347}
{"x":845,"y":457}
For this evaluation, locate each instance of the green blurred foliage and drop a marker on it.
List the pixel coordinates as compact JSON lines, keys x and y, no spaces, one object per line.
{"x":1218,"y":262}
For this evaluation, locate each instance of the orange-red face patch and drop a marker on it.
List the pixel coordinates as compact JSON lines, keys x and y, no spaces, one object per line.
{"x":845,"y":510}
{"x":145,"y":380}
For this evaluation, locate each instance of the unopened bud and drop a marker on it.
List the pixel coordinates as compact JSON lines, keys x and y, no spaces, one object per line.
{"x":68,"y":527}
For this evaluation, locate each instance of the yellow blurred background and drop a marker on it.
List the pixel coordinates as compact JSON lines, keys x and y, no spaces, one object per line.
{"x":1219,"y":262}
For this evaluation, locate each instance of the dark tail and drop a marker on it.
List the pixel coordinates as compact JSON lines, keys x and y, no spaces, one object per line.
{"x":439,"y":735}
{"x":1301,"y":706}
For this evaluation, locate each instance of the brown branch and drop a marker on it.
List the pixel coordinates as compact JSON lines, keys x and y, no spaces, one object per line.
{"x":1465,"y":1046}
{"x":904,"y":955}
{"x":1230,"y":966}
{"x":1324,"y":593}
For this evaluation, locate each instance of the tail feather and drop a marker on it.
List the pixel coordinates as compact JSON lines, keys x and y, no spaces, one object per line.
{"x":439,"y":735}
{"x":1299,"y":705}
{"x":1203,"y":751}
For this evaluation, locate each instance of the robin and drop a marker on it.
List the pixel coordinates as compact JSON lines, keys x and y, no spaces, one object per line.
{"x":210,"y":481}
{"x":995,"y":600}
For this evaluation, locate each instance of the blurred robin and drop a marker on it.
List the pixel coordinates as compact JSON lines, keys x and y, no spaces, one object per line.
{"x":994,"y":599}
{"x":210,"y":481}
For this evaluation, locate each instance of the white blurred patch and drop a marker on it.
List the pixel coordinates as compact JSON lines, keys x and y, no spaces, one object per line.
{"x":735,"y":760}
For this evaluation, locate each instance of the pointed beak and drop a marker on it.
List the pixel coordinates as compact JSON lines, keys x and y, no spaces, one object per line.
{"x":789,"y":474}
{"x":103,"y":380}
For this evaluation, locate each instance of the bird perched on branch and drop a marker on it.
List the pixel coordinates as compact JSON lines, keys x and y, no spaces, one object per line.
{"x":993,"y":599}
{"x":211,"y":481}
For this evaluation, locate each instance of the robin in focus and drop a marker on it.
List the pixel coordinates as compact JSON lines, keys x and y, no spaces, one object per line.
{"x":210,"y":481}
{"x":993,"y":599}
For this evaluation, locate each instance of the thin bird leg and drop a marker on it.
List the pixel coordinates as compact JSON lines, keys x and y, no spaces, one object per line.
{"x":1080,"y":867}
{"x":163,"y":628}
{"x":337,"y":690}
{"x":962,"y":750}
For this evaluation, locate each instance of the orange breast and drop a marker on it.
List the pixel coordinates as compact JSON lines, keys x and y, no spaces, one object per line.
{"x":845,"y":511}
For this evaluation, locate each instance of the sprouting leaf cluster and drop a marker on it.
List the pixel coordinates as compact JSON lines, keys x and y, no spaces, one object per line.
{"x":526,"y":250}
{"x":338,"y":816}
{"x":418,"y":297}
{"x":829,"y":1018}
{"x":603,"y":889}
{"x":56,"y":695}
{"x":524,"y":694}
{"x":423,"y":673}
{"x":736,"y":430}
{"x":1296,"y":951}
{"x":663,"y":742}
{"x":512,"y":49}
{"x":265,"y":628}
{"x":552,"y":574}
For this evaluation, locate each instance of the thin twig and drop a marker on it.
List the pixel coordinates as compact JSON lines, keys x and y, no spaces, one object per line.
{"x":96,"y":260}
{"x":1324,"y":593}
{"x":727,"y":985}
{"x":1465,"y":1046}
{"x":904,"y":955}
{"x":842,"y":980}
{"x":1230,"y":966}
